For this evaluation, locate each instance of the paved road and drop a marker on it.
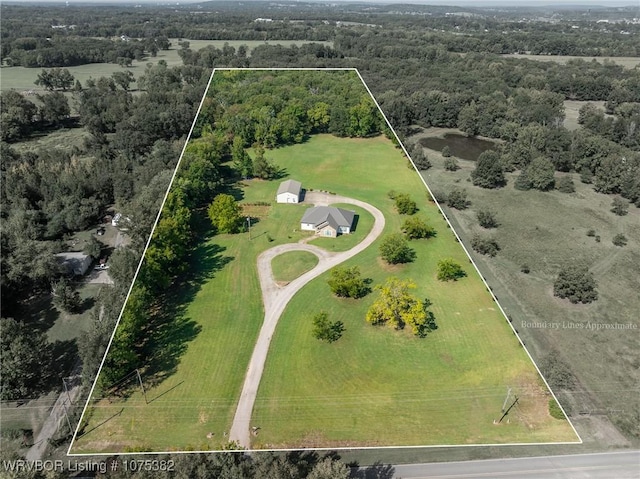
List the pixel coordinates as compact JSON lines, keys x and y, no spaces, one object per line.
{"x":615,"y":465}
{"x":276,"y":298}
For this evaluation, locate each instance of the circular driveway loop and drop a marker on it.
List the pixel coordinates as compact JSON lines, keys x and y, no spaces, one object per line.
{"x":275,"y":298}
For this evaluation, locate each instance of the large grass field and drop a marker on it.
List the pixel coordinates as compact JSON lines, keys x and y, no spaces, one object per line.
{"x":374,"y":386}
{"x":21,"y":79}
{"x":546,"y":230}
{"x":626,"y":62}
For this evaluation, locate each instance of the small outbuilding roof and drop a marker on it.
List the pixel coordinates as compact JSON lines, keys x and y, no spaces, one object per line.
{"x":335,"y":217}
{"x":290,"y":186}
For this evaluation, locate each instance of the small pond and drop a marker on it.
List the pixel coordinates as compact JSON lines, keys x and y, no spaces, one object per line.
{"x":467,"y":148}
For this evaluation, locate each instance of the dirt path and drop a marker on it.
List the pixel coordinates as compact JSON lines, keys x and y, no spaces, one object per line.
{"x":276,"y":298}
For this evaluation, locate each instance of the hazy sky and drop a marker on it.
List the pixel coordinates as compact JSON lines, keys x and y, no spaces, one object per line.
{"x":609,"y":3}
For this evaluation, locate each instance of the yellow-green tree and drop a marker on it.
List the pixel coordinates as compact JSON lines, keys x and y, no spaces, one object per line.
{"x":398,"y":308}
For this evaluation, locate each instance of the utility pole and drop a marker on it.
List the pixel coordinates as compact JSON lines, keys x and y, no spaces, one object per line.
{"x":66,"y":389}
{"x":144,"y":393}
{"x":66,"y":414}
{"x":504,"y":404}
{"x":507,"y":411}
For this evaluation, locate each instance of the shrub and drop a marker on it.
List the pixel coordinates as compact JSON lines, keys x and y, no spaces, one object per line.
{"x":566,"y":185}
{"x":524,"y":268}
{"x":486,"y":246}
{"x":591,"y":232}
{"x":417,"y":228}
{"x":576,"y":283}
{"x":451,"y":164}
{"x":449,"y":270}
{"x":487,"y":218}
{"x":523,"y":183}
{"x":619,"y":240}
{"x":395,"y":249}
{"x":619,"y":206}
{"x":586,"y":176}
{"x":554,"y":409}
{"x":405,"y":205}
{"x":420,"y":159}
{"x":446,"y":152}
{"x":457,"y":199}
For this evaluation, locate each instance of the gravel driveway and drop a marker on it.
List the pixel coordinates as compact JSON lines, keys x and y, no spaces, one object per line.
{"x":276,"y":298}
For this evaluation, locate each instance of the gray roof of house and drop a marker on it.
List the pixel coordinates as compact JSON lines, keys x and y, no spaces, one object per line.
{"x":290,"y":186}
{"x":328,"y":214}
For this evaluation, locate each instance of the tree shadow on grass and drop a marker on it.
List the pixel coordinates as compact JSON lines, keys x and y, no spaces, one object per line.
{"x":171,"y":329}
{"x":39,"y":312}
{"x":374,"y":471}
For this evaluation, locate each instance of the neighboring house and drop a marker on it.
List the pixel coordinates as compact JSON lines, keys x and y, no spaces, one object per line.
{"x":75,"y":263}
{"x":327,"y":221}
{"x":289,"y":192}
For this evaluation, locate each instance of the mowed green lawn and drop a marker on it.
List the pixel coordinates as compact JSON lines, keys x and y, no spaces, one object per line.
{"x":374,"y":386}
{"x":288,"y":266}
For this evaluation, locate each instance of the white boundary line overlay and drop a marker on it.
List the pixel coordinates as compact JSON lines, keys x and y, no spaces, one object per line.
{"x":404,"y":150}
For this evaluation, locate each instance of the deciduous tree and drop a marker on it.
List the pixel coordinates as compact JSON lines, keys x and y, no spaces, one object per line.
{"x":540,"y":173}
{"x":395,"y":249}
{"x":449,"y":270}
{"x":416,"y":228}
{"x":325,"y":330}
{"x":396,"y":307}
{"x":25,"y":356}
{"x":225,"y":214}
{"x":488,"y":172}
{"x":348,"y":282}
{"x":405,"y":205}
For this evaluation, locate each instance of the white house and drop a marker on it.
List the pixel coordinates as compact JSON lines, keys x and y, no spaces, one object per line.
{"x":289,"y":192}
{"x":327,"y":221}
{"x":74,"y":263}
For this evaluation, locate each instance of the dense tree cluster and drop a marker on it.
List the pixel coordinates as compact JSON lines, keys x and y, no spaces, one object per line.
{"x":24,"y":356}
{"x":66,"y":51}
{"x":293,"y":114}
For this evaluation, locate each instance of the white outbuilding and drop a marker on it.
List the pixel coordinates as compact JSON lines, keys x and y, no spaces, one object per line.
{"x":289,"y":192}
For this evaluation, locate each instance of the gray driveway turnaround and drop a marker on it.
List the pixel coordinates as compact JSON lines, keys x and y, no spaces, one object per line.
{"x":275,"y":298}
